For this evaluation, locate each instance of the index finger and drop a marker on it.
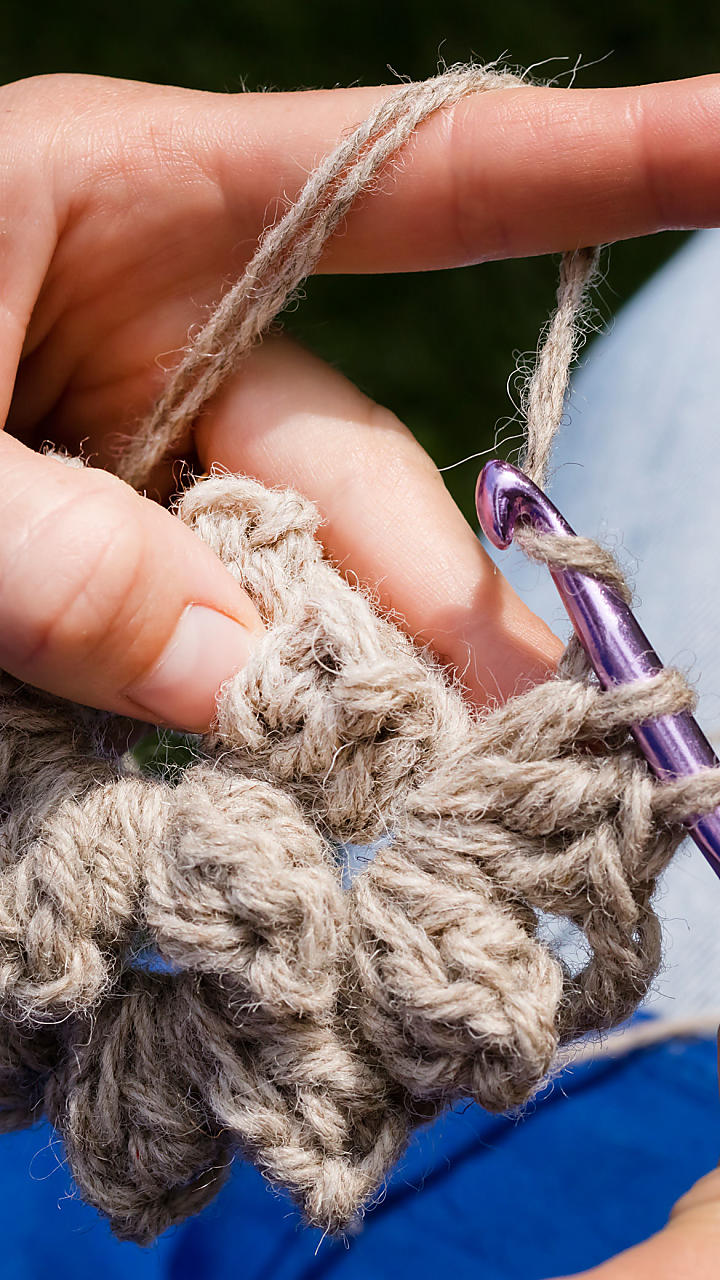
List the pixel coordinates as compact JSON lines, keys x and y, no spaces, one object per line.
{"x":505,"y":173}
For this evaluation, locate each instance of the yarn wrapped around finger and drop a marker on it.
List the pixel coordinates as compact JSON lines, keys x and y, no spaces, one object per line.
{"x":183,"y":975}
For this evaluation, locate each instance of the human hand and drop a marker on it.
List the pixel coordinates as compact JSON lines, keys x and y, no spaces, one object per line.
{"x":125,"y":209}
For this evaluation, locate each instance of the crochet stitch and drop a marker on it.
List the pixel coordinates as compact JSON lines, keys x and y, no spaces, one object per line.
{"x":304,"y":1025}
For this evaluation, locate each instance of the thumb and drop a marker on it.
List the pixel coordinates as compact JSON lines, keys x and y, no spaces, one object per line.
{"x":107,"y":599}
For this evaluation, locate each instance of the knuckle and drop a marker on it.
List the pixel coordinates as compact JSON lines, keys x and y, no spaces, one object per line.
{"x":382,"y":457}
{"x":462,"y":201}
{"x":68,"y":123}
{"x":476,"y":223}
{"x":656,"y":195}
{"x":395,"y":452}
{"x":39,"y":115}
{"x":48,"y":88}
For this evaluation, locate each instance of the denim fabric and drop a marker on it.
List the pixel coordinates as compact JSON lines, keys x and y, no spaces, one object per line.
{"x":638,"y":465}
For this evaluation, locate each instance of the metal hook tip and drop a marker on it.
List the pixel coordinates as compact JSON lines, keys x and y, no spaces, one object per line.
{"x":495,"y":512}
{"x":505,"y":495}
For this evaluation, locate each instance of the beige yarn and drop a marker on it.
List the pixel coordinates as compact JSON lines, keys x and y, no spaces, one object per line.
{"x":309,"y":1027}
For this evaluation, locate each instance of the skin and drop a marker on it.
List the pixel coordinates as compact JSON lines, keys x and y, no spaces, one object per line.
{"x":125,"y":209}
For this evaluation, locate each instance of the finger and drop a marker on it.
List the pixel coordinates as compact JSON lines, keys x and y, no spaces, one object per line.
{"x":107,"y":599}
{"x":389,"y":520}
{"x":184,"y":187}
{"x":28,"y":233}
{"x":504,"y":173}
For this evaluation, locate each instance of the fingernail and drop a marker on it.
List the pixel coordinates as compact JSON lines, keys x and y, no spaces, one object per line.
{"x":205,"y":649}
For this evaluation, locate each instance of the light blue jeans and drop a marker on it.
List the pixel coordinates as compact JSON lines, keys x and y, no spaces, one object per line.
{"x":638,"y":465}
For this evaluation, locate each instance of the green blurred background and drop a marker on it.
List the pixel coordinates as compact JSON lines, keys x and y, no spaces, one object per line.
{"x":411,"y":342}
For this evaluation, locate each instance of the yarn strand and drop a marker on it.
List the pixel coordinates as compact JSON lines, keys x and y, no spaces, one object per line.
{"x":544,"y":400}
{"x":289,"y":252}
{"x":183,"y":976}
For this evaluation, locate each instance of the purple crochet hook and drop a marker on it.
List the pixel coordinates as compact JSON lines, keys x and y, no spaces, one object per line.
{"x":619,"y":651}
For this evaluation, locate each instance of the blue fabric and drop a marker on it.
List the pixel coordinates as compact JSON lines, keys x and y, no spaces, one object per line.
{"x":591,"y":1168}
{"x":639,"y":466}
{"x":596,"y":1165}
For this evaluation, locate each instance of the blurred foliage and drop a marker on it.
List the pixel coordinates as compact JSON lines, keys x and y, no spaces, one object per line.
{"x":166,"y":754}
{"x":412,"y":342}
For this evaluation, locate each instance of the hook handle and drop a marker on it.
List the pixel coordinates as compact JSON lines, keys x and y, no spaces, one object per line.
{"x":619,"y":651}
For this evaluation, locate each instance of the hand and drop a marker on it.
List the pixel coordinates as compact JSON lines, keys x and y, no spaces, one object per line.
{"x":125,"y":208}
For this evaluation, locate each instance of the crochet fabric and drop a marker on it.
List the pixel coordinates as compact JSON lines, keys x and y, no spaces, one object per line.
{"x":307,"y":1026}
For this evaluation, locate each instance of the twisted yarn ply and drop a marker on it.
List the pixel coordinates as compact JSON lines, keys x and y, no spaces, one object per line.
{"x":304,"y":1025}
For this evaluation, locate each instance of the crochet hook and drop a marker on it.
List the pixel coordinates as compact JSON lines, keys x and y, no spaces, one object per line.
{"x":619,"y":651}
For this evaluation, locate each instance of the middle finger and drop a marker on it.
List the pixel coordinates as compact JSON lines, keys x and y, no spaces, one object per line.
{"x":389,"y":521}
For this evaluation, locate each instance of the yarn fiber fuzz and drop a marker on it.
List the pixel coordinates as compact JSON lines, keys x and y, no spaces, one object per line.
{"x":308,"y":1027}
{"x":300,"y":1024}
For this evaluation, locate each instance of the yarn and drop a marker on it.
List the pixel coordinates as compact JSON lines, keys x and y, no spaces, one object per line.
{"x":305,"y":1026}
{"x":289,"y":252}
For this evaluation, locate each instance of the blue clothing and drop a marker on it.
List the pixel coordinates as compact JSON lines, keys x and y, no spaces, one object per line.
{"x":591,"y":1168}
{"x":594,"y":1165}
